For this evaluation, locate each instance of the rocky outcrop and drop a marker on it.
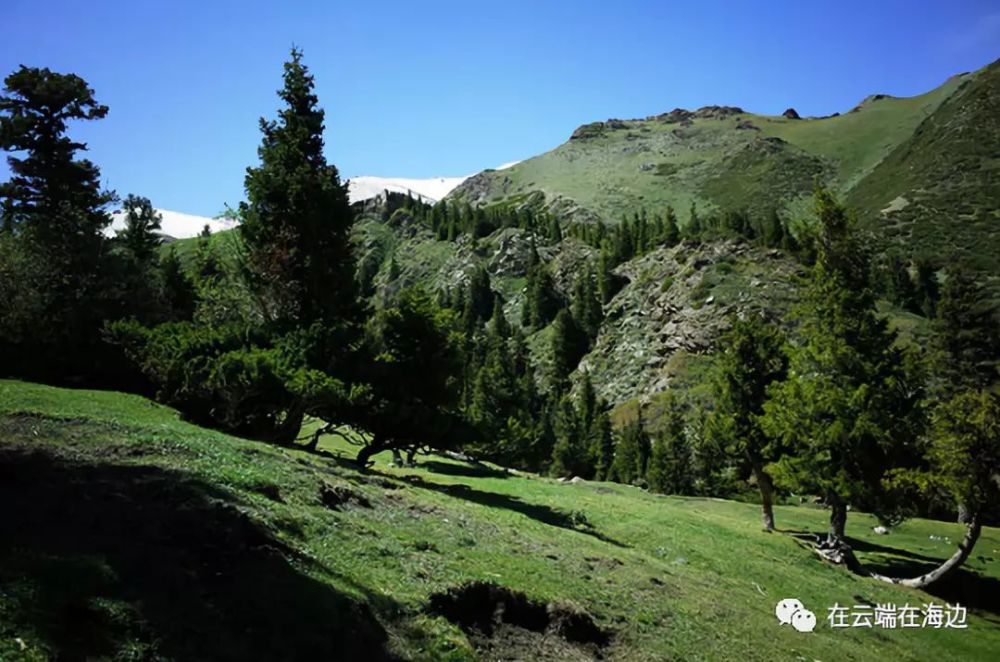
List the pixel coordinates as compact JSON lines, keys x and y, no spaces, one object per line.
{"x":717,"y":112}
{"x":791,"y":114}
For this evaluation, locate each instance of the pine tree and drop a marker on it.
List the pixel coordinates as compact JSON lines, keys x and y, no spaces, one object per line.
{"x":693,"y":229}
{"x":849,"y":411}
{"x":570,"y":454}
{"x":670,"y":468}
{"x":569,"y":344}
{"x":601,"y":443}
{"x":631,"y":453}
{"x":178,"y":291}
{"x":297,"y":222}
{"x":751,"y":359}
{"x":55,"y":211}
{"x":671,"y":230}
{"x":139,"y":237}
{"x":586,"y":306}
{"x":968,"y":340}
{"x":541,"y":302}
{"x":499,"y":325}
{"x":927,"y":289}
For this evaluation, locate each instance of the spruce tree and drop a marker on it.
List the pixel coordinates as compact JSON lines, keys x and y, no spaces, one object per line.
{"x":178,"y":291}
{"x":670,"y":467}
{"x":752,"y":358}
{"x":966,"y":329}
{"x":55,"y":209}
{"x":671,"y":231}
{"x":601,"y":443}
{"x":297,"y":221}
{"x":569,"y":344}
{"x":849,"y":412}
{"x":631,"y":453}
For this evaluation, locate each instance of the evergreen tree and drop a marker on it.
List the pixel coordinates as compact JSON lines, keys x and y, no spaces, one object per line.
{"x":499,"y":325}
{"x":671,"y":230}
{"x":849,"y":412}
{"x":899,"y":285}
{"x":693,"y":229}
{"x":55,"y":212}
{"x":926,"y":285}
{"x":631,"y":453}
{"x":178,"y":291}
{"x":569,"y":344}
{"x":480,"y":300}
{"x":139,"y":237}
{"x":570,"y":455}
{"x":541,"y":302}
{"x":752,"y":358}
{"x":605,"y":277}
{"x":586,"y":305}
{"x":601,"y":443}
{"x":967,"y":334}
{"x":670,"y":468}
{"x":297,"y":222}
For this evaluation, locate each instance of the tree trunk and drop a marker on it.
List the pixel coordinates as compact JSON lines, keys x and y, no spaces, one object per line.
{"x":288,"y":431}
{"x":838,"y":520}
{"x":365,"y":454}
{"x":766,"y":487}
{"x":964,"y":516}
{"x":972,"y":529}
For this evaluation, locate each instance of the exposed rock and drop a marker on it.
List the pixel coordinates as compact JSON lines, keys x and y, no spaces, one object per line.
{"x":791,"y":114}
{"x":880,"y":530}
{"x":747,"y":125}
{"x":675,"y":115}
{"x":717,"y":112}
{"x":588,"y":131}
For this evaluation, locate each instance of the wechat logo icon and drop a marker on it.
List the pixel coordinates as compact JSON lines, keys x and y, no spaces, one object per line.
{"x":791,"y":611}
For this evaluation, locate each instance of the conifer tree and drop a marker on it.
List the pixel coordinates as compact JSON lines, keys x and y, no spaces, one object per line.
{"x":631,"y":453}
{"x":569,"y":344}
{"x":296,"y":224}
{"x":849,"y":412}
{"x":601,"y":443}
{"x":751,"y":359}
{"x":968,"y":340}
{"x":671,"y":230}
{"x":670,"y":468}
{"x":55,"y":210}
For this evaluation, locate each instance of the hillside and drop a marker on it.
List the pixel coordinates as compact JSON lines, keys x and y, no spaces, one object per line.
{"x":920,"y":170}
{"x":179,"y":548}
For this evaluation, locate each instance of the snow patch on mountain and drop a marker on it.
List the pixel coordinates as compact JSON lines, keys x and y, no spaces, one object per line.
{"x":176,"y":225}
{"x":430,"y":190}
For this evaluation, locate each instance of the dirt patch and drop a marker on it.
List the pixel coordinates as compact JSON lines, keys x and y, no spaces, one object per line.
{"x":337,"y":497}
{"x":507,"y":625}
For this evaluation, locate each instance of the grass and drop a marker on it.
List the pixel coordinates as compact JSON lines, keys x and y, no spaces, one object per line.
{"x":128,"y":533}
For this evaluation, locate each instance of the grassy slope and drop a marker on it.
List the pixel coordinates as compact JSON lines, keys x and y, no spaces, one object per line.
{"x":127,"y":531}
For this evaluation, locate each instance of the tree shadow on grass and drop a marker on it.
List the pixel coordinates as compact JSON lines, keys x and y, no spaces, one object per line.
{"x":101,"y":559}
{"x":964,"y":586}
{"x":537,"y":512}
{"x":463,"y":470}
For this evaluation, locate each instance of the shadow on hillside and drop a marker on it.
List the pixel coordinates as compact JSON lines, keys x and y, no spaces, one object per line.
{"x":537,"y":512}
{"x":97,"y":557}
{"x":463,"y":470}
{"x":964,"y":586}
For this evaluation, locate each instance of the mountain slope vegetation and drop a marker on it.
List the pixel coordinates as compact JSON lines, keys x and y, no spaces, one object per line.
{"x":145,"y":537}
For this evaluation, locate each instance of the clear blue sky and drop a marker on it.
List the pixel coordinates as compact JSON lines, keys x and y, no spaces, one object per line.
{"x":424,"y":89}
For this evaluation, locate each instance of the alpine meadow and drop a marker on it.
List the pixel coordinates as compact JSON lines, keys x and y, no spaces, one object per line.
{"x":706,"y":384}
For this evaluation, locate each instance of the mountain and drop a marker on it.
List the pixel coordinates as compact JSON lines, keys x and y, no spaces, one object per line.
{"x":175,"y":225}
{"x":927,"y":161}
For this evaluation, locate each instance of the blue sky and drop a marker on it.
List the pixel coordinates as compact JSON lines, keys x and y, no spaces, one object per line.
{"x":421,"y":89}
